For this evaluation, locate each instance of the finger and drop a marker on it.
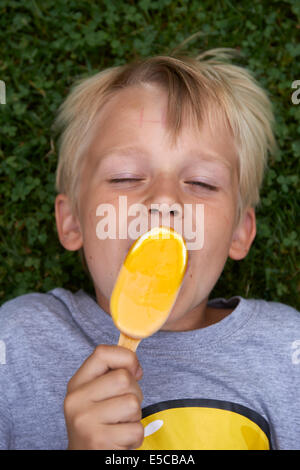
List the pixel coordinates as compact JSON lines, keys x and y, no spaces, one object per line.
{"x":103,"y":359}
{"x":125,"y":435}
{"x":114,"y":383}
{"x":122,"y":409}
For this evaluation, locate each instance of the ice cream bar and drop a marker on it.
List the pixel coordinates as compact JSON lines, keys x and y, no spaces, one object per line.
{"x":148,"y":284}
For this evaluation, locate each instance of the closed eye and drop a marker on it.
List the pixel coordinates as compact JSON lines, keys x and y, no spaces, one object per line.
{"x":122,"y":180}
{"x":210,"y":187}
{"x":196,"y":183}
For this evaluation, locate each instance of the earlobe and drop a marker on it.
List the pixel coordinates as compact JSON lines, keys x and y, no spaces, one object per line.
{"x":243,"y":235}
{"x":67,"y":224}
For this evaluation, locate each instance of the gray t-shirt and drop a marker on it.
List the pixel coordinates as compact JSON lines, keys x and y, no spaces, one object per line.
{"x":234,"y":384}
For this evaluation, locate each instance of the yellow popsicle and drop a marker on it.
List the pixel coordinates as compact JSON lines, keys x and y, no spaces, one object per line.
{"x":148,"y":284}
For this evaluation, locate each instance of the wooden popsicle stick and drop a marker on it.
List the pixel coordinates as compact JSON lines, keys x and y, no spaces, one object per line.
{"x":127,"y":342}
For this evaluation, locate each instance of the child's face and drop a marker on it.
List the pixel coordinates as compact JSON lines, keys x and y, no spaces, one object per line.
{"x":135,"y":118}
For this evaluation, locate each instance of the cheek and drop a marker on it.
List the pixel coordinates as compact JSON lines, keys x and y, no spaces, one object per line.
{"x":210,"y":259}
{"x":218,"y":227}
{"x":104,"y":257}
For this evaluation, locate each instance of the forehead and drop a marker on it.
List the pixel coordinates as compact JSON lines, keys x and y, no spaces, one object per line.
{"x":142,"y":104}
{"x":138,"y":115}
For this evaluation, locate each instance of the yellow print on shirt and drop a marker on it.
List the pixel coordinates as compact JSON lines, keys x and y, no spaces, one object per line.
{"x":191,"y":424}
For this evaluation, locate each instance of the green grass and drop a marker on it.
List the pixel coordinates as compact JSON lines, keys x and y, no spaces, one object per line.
{"x":46,"y":45}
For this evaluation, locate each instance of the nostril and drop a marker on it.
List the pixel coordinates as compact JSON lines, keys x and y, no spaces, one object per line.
{"x":174,"y":212}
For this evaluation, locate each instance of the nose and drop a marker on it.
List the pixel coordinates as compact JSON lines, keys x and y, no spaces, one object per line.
{"x":163,"y":201}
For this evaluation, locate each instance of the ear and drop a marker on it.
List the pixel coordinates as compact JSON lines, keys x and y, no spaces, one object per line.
{"x":243,"y":235}
{"x":68,"y":226}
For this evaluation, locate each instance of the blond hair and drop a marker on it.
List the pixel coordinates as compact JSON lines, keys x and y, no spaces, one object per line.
{"x":201,"y":85}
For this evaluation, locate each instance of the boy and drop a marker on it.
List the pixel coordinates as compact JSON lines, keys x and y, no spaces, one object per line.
{"x":221,"y":374}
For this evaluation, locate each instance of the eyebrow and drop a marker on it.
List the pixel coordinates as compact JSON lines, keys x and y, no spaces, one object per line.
{"x":124,"y":151}
{"x":131,"y":151}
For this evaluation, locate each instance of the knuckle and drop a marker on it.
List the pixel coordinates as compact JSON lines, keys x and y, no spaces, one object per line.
{"x":138,"y":433}
{"x":141,"y":395}
{"x":133,"y":404}
{"x":68,"y":404}
{"x":124,"y":379}
{"x":132,"y":359}
{"x":100,"y":350}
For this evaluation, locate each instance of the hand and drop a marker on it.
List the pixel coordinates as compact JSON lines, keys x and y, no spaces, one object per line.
{"x":103,"y":401}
